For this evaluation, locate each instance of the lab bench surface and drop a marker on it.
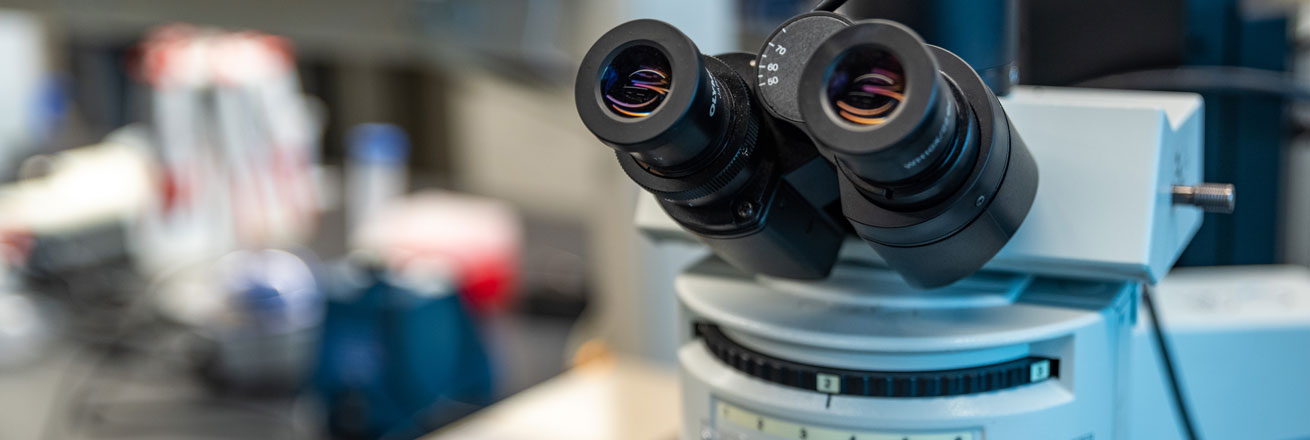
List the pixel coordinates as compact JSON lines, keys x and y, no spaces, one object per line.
{"x":601,"y":400}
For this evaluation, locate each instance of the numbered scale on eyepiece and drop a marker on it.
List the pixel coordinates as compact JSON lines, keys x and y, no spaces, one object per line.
{"x":782,"y":59}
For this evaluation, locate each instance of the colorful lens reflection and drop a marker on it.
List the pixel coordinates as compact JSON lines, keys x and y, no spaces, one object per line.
{"x":640,"y":93}
{"x":866,"y":87}
{"x":637,"y":81}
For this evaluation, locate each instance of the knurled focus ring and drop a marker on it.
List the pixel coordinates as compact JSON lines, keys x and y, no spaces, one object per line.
{"x":890,"y":384}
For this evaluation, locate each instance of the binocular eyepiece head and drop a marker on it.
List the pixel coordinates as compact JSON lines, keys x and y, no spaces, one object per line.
{"x":902,"y":136}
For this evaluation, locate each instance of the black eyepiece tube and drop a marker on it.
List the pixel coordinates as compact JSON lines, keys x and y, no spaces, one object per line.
{"x":930,"y":171}
{"x":888,"y":115}
{"x":643,"y":89}
{"x":687,"y":128}
{"x":867,"y":86}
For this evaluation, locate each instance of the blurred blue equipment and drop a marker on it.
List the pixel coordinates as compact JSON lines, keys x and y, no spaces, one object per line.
{"x":399,"y":357}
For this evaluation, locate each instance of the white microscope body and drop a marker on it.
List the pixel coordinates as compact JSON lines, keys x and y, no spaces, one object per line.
{"x":1045,"y":343}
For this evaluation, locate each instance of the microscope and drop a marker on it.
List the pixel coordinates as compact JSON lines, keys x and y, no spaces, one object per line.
{"x":899,"y":253}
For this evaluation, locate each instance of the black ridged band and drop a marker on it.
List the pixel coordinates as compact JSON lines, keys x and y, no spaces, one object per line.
{"x":895,"y":384}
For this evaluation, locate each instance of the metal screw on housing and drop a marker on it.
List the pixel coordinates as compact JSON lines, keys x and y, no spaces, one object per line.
{"x":745,"y":210}
{"x":1210,"y":197}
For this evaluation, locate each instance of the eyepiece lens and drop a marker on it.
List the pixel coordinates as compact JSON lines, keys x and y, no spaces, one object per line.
{"x":636,"y":82}
{"x":866,"y":86}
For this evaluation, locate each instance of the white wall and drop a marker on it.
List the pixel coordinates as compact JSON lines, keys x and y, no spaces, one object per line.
{"x":22,"y":45}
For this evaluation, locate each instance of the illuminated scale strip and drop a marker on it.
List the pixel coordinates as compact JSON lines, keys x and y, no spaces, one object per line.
{"x":747,"y":422}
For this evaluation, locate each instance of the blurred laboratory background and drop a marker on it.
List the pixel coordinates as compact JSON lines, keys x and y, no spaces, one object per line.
{"x":373,"y":219}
